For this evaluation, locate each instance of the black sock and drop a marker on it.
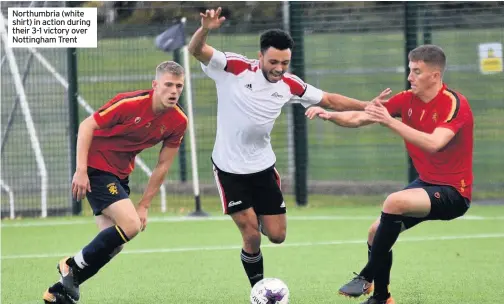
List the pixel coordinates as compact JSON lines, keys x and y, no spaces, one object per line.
{"x":253,"y":264}
{"x":386,"y":235}
{"x":92,"y":269}
{"x":382,"y":279}
{"x":98,"y":253}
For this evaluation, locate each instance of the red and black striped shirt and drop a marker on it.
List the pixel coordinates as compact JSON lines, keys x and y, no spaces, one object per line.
{"x":452,"y":165}
{"x":129,"y":125}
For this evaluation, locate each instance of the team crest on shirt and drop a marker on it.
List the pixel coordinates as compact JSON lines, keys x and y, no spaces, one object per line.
{"x":137,"y":120}
{"x":434,"y":117}
{"x":112,"y":188}
{"x":162,"y":129}
{"x":410,"y":111}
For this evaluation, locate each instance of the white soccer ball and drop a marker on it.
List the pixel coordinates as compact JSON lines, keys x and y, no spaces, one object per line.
{"x":269,"y":291}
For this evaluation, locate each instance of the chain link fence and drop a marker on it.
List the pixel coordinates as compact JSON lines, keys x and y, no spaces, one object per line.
{"x":35,"y":144}
{"x":355,"y":49}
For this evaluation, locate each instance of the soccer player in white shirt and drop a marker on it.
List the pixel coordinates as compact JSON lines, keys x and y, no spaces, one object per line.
{"x":251,"y":94}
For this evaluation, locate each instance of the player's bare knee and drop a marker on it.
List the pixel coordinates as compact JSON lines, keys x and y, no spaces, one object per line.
{"x":393,"y":204}
{"x":116,"y":251}
{"x":252,"y":237}
{"x":277,"y":238}
{"x":131,"y":226}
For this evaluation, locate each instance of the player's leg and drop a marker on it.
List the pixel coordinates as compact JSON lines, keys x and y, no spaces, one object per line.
{"x":98,"y":252}
{"x":412,"y":202}
{"x":103,"y":222}
{"x":55,"y":293}
{"x":251,"y":256}
{"x":428,"y":202}
{"x":361,"y":285}
{"x":236,"y":199}
{"x":109,"y":196}
{"x":126,"y":226}
{"x":274,"y":227}
{"x":269,"y":204}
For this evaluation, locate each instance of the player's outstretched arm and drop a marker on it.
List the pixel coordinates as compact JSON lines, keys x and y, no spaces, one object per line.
{"x":348,"y":119}
{"x":340,"y":102}
{"x":430,"y":143}
{"x":166,"y":157}
{"x":80,"y":181}
{"x":197,"y":46}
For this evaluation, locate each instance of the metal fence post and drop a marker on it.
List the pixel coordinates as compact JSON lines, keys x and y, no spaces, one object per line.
{"x":299,"y":121}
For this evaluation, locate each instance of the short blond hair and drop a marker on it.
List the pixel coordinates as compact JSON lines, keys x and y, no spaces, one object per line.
{"x":170,"y":67}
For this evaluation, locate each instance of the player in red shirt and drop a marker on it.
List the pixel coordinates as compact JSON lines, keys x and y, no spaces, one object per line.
{"x":107,"y":144}
{"x":437,"y":128}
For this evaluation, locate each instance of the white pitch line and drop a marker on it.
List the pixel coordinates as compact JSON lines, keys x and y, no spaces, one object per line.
{"x":237,"y":247}
{"x":174,"y":219}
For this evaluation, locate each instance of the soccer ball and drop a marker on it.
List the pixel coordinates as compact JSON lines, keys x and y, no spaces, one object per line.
{"x":269,"y":291}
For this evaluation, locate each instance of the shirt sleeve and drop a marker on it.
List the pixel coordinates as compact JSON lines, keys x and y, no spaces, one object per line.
{"x":112,"y":113}
{"x":457,"y":117}
{"x":302,"y":92}
{"x":216,"y":67}
{"x":395,"y":104}
{"x":175,"y":138}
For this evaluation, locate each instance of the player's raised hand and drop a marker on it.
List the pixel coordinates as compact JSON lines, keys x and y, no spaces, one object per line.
{"x":80,"y":184}
{"x":211,"y":19}
{"x":382,"y":98}
{"x":378,"y":112}
{"x":313,"y":112}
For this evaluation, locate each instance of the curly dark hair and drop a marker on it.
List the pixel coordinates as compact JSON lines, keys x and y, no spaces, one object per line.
{"x":276,"y":38}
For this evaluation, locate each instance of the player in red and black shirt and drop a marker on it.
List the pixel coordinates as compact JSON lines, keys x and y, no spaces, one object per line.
{"x":437,"y":127}
{"x":107,"y":145}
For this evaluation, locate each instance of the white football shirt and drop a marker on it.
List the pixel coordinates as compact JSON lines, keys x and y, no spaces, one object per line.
{"x":247,"y":108}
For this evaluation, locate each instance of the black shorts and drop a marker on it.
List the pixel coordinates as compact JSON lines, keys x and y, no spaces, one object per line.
{"x":260,"y":191}
{"x":446,"y":203}
{"x":106,"y":189}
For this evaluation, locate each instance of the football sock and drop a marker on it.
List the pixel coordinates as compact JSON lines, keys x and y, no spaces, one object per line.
{"x":382,"y":279}
{"x":91,"y":270}
{"x":386,"y":235}
{"x":99,"y":252}
{"x":253,"y":264}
